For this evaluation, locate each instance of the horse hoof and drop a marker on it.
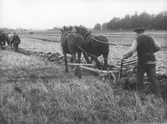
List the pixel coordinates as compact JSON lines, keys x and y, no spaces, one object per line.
{"x":76,"y":72}
{"x":79,"y":75}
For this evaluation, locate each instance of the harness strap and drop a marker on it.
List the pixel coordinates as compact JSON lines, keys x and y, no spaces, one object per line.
{"x":86,"y":40}
{"x":91,"y":36}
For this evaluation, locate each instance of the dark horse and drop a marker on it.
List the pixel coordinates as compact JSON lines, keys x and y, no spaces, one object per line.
{"x":72,"y":43}
{"x":3,"y":39}
{"x":95,"y":46}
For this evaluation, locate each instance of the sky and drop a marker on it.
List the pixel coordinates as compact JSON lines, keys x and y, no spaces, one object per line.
{"x":46,"y":14}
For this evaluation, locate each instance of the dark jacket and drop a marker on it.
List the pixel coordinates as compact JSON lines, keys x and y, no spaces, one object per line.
{"x":145,"y":49}
{"x":15,"y":39}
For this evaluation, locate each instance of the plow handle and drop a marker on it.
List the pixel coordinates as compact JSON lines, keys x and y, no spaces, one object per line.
{"x":120,"y":73}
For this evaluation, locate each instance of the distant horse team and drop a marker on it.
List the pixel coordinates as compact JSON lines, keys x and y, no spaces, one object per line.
{"x":12,"y":40}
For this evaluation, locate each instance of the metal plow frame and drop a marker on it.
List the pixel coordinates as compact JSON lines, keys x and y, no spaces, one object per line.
{"x":116,"y":74}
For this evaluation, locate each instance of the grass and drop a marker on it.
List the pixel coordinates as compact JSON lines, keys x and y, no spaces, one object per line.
{"x":35,"y":91}
{"x":11,"y":60}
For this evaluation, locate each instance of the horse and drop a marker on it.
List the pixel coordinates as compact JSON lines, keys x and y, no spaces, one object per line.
{"x":3,"y":39}
{"x":72,"y":43}
{"x":95,"y":46}
{"x":68,"y":29}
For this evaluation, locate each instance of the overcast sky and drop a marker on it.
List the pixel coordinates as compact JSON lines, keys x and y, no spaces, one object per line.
{"x":46,"y":14}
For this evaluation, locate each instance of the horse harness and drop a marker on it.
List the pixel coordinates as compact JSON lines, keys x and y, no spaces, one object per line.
{"x":92,"y":37}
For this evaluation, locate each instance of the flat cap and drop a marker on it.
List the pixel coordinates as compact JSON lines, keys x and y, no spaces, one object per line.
{"x":139,"y":28}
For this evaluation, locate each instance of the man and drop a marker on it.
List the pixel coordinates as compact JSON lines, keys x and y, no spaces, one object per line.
{"x":145,"y":46}
{"x":14,"y":41}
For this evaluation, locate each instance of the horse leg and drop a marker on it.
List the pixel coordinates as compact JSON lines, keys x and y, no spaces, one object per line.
{"x":97,"y":62}
{"x":79,"y":57}
{"x":74,"y":58}
{"x":1,"y":44}
{"x":8,"y":41}
{"x":91,"y":59}
{"x":78,"y":68}
{"x":105,"y":56}
{"x":4,"y":42}
{"x":71,"y":60}
{"x":66,"y":63}
{"x":86,"y":57}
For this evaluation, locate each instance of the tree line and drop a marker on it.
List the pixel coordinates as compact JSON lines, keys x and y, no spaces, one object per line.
{"x":149,"y":21}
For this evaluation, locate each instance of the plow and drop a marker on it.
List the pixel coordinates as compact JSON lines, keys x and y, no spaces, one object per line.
{"x":119,"y":75}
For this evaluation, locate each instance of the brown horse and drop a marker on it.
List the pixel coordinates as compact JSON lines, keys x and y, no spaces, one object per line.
{"x":72,"y":43}
{"x":3,"y":39}
{"x":95,"y":46}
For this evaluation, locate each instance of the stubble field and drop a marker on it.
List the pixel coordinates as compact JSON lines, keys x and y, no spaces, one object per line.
{"x":34,"y":90}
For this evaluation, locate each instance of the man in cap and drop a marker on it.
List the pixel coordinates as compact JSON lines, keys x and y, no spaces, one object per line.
{"x":14,"y":41}
{"x":145,"y":46}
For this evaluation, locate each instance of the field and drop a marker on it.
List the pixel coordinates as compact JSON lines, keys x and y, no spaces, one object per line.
{"x":34,"y":90}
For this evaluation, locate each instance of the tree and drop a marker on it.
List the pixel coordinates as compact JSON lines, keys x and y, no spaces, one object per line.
{"x":97,"y":27}
{"x":134,"y":20}
{"x":104,"y":26}
{"x":157,"y":22}
{"x":144,"y":19}
{"x":126,"y":22}
{"x":114,"y":24}
{"x":55,"y":28}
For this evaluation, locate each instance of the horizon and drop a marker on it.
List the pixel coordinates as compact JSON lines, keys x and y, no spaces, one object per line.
{"x":47,"y":14}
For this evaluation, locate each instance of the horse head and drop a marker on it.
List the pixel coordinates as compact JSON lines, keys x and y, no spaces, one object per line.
{"x":81,"y":30}
{"x":87,"y":34}
{"x":64,"y":33}
{"x":67,"y":29}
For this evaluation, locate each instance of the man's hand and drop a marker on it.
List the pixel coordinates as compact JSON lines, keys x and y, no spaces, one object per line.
{"x":127,"y":55}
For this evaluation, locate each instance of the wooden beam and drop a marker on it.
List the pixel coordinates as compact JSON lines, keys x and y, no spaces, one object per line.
{"x":100,"y":71}
{"x":80,"y":64}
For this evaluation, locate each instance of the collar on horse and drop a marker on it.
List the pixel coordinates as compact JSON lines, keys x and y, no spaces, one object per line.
{"x":92,"y":37}
{"x":63,"y":39}
{"x":86,"y":38}
{"x":67,"y":33}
